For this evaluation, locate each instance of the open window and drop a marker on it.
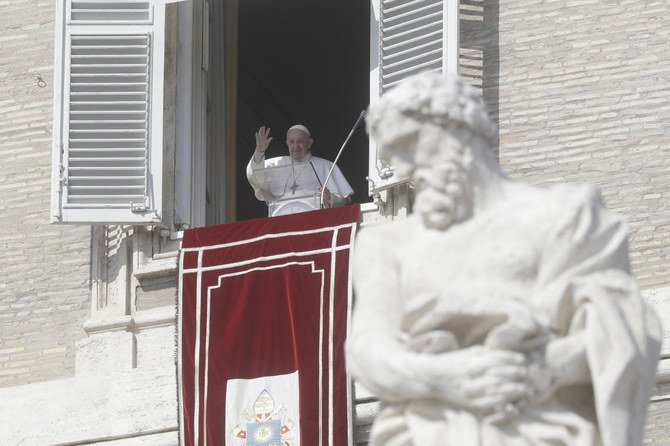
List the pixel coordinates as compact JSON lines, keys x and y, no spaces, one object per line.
{"x":305,"y":62}
{"x":239,"y":64}
{"x":320,"y":63}
{"x":108,"y":112}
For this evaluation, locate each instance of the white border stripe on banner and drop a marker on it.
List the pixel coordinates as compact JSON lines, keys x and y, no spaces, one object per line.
{"x":350,"y":306}
{"x":321,"y":322}
{"x":268,"y":236}
{"x":196,"y":394}
{"x":267,"y":258}
{"x":180,"y":366}
{"x":331,"y":335}
{"x":204,"y":399}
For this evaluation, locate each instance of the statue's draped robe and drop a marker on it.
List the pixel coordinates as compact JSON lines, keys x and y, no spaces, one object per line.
{"x":545,"y":265}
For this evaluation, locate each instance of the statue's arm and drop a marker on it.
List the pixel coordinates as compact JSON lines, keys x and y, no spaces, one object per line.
{"x":565,"y":363}
{"x":375,"y":350}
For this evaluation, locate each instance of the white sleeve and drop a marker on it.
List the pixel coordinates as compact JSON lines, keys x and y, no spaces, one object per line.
{"x":339,"y":186}
{"x":256,"y":162}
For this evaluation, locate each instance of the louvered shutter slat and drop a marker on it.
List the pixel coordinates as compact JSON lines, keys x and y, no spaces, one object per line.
{"x":115,"y":11}
{"x":101,"y":141}
{"x":109,"y":180}
{"x":121,"y":151}
{"x":105,"y":169}
{"x":411,"y":45}
{"x":409,"y":37}
{"x":83,"y":160}
{"x":412,"y":18}
{"x":425,"y":48}
{"x":122,"y":123}
{"x":413,"y":59}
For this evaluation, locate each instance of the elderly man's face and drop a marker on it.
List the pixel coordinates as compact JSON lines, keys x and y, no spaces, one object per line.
{"x":299,"y":144}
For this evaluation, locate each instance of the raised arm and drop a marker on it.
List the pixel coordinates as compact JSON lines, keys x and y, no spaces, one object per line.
{"x":257,"y":161}
{"x":263,"y":139}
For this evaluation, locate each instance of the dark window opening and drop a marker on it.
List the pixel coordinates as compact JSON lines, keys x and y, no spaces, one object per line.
{"x":302,"y":61}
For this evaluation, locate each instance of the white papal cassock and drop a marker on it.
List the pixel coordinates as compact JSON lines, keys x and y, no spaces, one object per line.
{"x":289,"y":186}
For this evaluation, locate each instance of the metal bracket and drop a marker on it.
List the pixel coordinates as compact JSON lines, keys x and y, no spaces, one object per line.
{"x":386,"y":173}
{"x":386,"y":170}
{"x":378,"y":200}
{"x":138,"y":207}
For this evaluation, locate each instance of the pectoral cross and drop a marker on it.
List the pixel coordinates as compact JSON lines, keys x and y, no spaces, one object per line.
{"x":294,"y":188}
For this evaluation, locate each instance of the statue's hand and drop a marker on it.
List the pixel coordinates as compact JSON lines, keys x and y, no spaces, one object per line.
{"x":481,"y":380}
{"x":561,"y":363}
{"x":543,"y":384}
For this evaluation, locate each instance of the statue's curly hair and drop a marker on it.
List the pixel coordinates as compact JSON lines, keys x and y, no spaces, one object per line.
{"x":441,"y":99}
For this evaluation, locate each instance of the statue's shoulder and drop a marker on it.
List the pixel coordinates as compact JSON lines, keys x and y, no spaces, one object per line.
{"x":576,"y":197}
{"x":561,"y":198}
{"x":547,"y":208}
{"x":583,"y":192}
{"x":398,"y":231}
{"x":571,"y":208}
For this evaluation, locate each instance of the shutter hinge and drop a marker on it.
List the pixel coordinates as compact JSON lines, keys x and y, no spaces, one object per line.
{"x":58,"y":214}
{"x":61,"y":175}
{"x":385,"y":172}
{"x":138,"y":207}
{"x":61,"y":167}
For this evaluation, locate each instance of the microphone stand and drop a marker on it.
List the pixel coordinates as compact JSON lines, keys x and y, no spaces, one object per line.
{"x":330,"y":172}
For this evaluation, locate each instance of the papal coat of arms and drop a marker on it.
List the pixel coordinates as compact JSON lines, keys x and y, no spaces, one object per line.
{"x":266,"y":424}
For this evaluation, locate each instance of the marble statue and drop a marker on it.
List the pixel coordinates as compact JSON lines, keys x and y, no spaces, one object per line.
{"x":496,"y":314}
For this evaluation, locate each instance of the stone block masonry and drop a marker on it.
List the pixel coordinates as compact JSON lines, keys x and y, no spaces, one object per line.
{"x":583,"y":94}
{"x":44,"y":269}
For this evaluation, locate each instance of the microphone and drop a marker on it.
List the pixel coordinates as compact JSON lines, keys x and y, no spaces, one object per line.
{"x":330,"y":172}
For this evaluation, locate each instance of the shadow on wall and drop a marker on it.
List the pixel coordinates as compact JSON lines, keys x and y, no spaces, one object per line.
{"x":114,"y":244}
{"x":480,"y":53}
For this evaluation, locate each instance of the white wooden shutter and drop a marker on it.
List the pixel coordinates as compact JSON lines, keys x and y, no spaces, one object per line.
{"x":108,"y":112}
{"x":407,"y":37}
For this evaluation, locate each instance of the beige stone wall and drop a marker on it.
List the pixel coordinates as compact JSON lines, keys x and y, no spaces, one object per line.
{"x":581,"y":89}
{"x":44,"y":269}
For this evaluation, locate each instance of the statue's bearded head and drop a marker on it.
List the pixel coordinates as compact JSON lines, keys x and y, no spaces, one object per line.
{"x":434,"y":128}
{"x":443,"y":194}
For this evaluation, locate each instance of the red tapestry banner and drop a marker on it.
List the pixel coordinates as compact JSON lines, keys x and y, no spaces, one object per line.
{"x":264,"y":307}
